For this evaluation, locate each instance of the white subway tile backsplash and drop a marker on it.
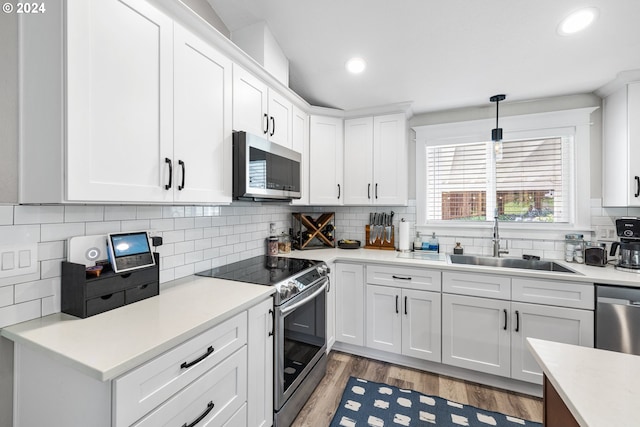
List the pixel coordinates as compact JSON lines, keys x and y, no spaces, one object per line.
{"x":202,"y":244}
{"x":6,"y":296}
{"x":173,"y":236}
{"x":51,"y":305}
{"x":184,"y":271}
{"x":159,"y":225}
{"x":6,"y":215}
{"x":149,"y":212}
{"x":202,"y":265}
{"x":193,"y":211}
{"x":202,"y":222}
{"x":93,"y":228}
{"x":544,"y":245}
{"x":193,"y":257}
{"x":83,"y":213}
{"x":51,"y":250}
{"x":38,"y":214}
{"x":36,"y":290}
{"x":167,"y":275}
{"x":211,"y":211}
{"x":193,"y":233}
{"x":22,"y":312}
{"x":183,"y":223}
{"x":135,"y":225}
{"x":183,"y":247}
{"x":521,"y":244}
{"x":119,"y":213}
{"x":51,"y":268}
{"x":173,"y":211}
{"x":51,"y":232}
{"x":172,"y":261}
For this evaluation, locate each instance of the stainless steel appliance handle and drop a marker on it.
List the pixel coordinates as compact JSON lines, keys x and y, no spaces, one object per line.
{"x":617,"y":301}
{"x":289,"y":309}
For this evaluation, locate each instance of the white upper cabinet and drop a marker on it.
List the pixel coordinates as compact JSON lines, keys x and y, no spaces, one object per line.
{"x":300,"y":143}
{"x":260,"y":110}
{"x":136,"y":103}
{"x":375,"y":153}
{"x":326,"y":161}
{"x":621,"y":147}
{"x":202,"y":129}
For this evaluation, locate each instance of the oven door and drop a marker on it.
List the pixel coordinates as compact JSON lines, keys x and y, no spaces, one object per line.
{"x":301,"y":339}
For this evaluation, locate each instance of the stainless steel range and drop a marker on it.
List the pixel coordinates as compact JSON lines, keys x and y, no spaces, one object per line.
{"x":300,"y":331}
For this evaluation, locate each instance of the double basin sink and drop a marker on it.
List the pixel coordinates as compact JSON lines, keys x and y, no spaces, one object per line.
{"x":526,"y":264}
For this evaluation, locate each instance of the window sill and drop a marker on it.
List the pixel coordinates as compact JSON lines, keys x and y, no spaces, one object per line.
{"x":508,"y":230}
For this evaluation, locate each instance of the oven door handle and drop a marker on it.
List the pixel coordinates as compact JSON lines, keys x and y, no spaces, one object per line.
{"x":287,"y":310}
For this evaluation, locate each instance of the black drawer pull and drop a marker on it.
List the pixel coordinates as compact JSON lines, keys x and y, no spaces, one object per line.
{"x":401,"y":278}
{"x":210,"y":406}
{"x":517,"y":321}
{"x":168,"y":160}
{"x":181,"y":186}
{"x":405,"y":305}
{"x":505,"y":320}
{"x":397,"y":311}
{"x":106,"y":297}
{"x":186,"y":365}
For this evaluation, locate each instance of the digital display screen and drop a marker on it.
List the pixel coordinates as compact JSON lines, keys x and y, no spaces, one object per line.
{"x":129,"y":244}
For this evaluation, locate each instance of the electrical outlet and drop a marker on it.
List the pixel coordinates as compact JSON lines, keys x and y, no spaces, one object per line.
{"x":606,"y":233}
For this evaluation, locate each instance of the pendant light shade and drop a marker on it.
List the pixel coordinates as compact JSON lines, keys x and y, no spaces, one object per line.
{"x":496,"y":134}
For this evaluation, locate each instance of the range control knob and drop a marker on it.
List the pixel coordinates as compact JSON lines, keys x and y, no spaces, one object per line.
{"x":323,"y":270}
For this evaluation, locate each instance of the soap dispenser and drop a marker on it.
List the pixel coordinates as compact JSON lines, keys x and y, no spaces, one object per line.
{"x":434,"y":246}
{"x":417,"y":243}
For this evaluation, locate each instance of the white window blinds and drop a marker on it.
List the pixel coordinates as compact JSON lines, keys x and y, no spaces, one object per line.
{"x":530,"y":182}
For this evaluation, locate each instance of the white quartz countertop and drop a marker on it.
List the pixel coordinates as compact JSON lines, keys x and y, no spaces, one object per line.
{"x":599,"y":387}
{"x":586,"y":273}
{"x":111,"y":343}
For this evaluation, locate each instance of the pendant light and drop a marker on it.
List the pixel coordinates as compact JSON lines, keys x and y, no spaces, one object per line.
{"x":496,"y":134}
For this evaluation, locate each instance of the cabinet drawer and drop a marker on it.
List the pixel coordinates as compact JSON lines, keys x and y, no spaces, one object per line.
{"x":112,"y":282}
{"x":141,"y":292}
{"x":105,"y":303}
{"x":404,"y":277}
{"x":140,"y":390}
{"x":213,"y":399}
{"x":554,"y":292}
{"x":481,"y":285}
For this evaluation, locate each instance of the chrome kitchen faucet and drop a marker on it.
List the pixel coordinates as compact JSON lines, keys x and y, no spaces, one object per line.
{"x":496,"y":237}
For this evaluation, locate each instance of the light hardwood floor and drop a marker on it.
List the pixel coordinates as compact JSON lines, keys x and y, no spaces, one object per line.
{"x":321,"y":406}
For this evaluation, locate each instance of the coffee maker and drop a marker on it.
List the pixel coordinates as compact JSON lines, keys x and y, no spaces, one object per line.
{"x":628,"y":229}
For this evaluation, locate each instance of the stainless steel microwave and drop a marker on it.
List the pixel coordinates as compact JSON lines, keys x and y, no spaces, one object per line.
{"x":263,"y":170}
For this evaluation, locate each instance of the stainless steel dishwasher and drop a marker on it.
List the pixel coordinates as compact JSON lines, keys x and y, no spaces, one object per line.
{"x":618,"y":319}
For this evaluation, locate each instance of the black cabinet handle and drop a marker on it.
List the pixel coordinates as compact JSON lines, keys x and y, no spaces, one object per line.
{"x":405,"y":306}
{"x":168,"y":160}
{"x":208,"y":353}
{"x":210,"y":406}
{"x":369,"y":191}
{"x":266,"y":123}
{"x":181,"y":186}
{"x":505,"y":320}
{"x":637,"y":186}
{"x":401,"y":278}
{"x":397,"y":311}
{"x":273,"y":126}
{"x":273,"y":324}
{"x":376,"y":190}
{"x":338,"y":191}
{"x":517,"y":321}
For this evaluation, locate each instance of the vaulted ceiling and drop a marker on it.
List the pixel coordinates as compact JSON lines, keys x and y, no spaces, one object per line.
{"x":442,"y":54}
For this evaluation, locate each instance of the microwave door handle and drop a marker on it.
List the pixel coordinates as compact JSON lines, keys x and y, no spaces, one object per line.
{"x":287,"y":310}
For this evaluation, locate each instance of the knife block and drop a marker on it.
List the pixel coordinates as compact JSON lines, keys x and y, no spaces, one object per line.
{"x":380,"y":242}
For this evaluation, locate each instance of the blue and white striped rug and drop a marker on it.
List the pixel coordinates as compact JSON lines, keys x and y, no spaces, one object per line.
{"x":366,"y":403}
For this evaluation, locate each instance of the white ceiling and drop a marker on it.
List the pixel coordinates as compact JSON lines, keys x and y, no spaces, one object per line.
{"x":442,"y":54}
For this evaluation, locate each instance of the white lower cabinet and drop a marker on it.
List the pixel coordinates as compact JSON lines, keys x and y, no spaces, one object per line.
{"x":349,"y":303}
{"x":260,"y":365}
{"x":221,"y":377}
{"x":489,"y":335}
{"x":403,"y":321}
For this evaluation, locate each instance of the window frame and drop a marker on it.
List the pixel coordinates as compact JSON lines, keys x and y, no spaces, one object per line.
{"x":575,"y":123}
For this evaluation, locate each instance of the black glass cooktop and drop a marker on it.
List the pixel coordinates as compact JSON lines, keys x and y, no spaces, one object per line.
{"x":261,"y":270}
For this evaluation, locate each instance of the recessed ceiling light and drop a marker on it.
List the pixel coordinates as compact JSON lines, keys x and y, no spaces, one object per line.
{"x":577,"y":21}
{"x":356,"y":65}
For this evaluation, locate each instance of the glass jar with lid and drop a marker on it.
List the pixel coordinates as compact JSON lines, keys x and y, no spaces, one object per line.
{"x":574,"y":248}
{"x":284,"y":244}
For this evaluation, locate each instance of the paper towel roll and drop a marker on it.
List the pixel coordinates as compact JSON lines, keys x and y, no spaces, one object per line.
{"x":403,"y":236}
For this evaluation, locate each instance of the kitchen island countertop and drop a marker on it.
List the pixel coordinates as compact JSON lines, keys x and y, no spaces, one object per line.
{"x":599,"y":387}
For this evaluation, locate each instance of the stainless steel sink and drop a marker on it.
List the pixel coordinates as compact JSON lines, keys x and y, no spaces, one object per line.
{"x":509,"y":263}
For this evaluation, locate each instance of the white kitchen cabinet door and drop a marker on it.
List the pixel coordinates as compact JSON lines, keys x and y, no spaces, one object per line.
{"x":476,"y":334}
{"x":280,"y":118}
{"x":358,"y":165}
{"x":119,"y":101}
{"x":384,"y":322}
{"x":326,"y":161}
{"x":260,"y":342}
{"x":250,"y":103}
{"x":202,"y":143}
{"x":390,"y":186}
{"x":421,"y":324}
{"x":300,"y":143}
{"x":331,"y":307}
{"x":559,"y":324}
{"x":350,"y":297}
{"x":621,"y":147}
